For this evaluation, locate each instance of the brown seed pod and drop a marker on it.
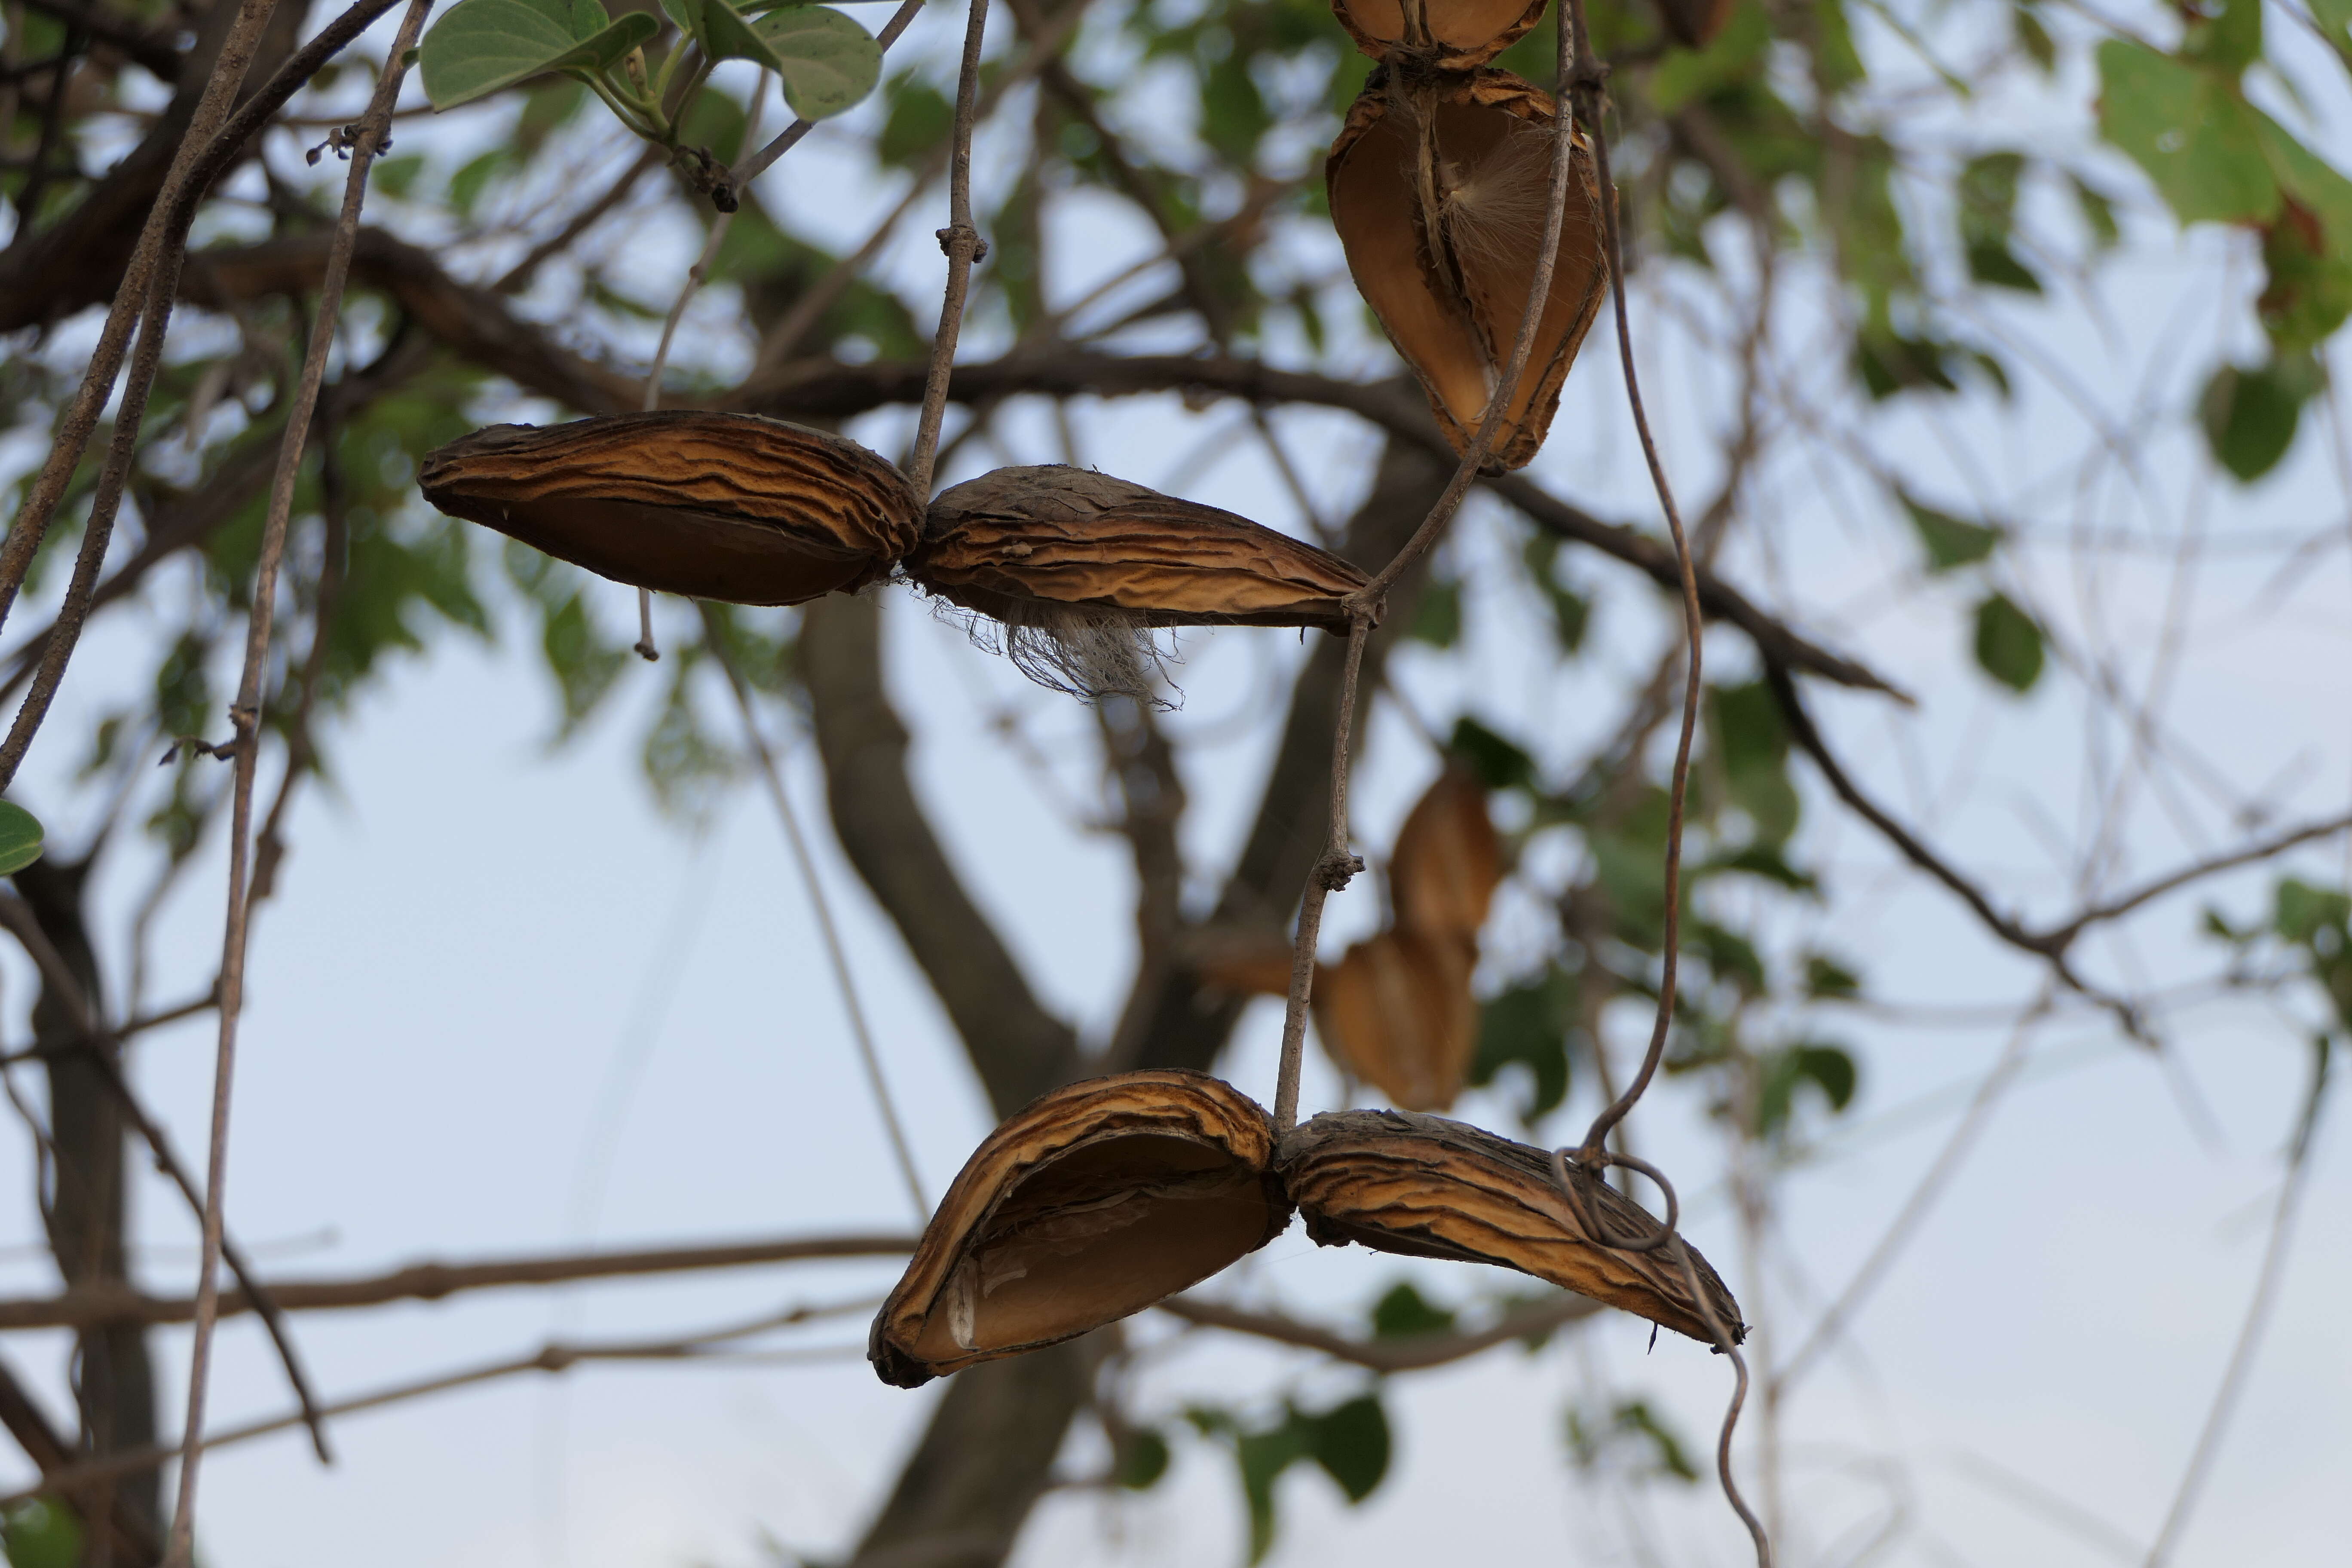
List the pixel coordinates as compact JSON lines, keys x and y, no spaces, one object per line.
{"x":1427,"y":1187}
{"x":1078,"y":567}
{"x":1093,"y":1202}
{"x":1694,"y":23}
{"x":1397,"y":1012}
{"x":1448,"y":860}
{"x":718,"y":506}
{"x":1439,"y":187}
{"x":1452,"y":35}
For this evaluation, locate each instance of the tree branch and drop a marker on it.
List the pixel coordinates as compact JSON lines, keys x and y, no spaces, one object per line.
{"x":1413,"y":1353}
{"x":1019,"y":1049}
{"x":433,"y":1282}
{"x":839,"y":390}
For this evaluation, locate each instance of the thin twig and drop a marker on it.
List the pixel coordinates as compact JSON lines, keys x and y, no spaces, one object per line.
{"x":555,"y":1356}
{"x":759,"y":162}
{"x":1410,"y":1353}
{"x":159,"y":289}
{"x":1906,"y":1220}
{"x":1332,"y":871}
{"x":432,"y":1281}
{"x":245,"y":717}
{"x":100,"y":1047}
{"x":835,"y":949}
{"x":1336,"y":866}
{"x":519,"y":275}
{"x":646,"y":648}
{"x":2258,"y":1313}
{"x":49,"y":487}
{"x":962,"y":244}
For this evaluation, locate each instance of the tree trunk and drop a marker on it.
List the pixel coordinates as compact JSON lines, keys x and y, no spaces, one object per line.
{"x":113,"y":1378}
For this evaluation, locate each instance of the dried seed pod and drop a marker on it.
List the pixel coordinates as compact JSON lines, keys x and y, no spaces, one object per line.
{"x":1694,"y":23}
{"x":1093,"y":1202}
{"x":718,"y":506}
{"x":1452,"y":35}
{"x":1427,"y":1187}
{"x":1448,"y":860}
{"x":1078,"y":567}
{"x":1397,"y":1012}
{"x":1439,"y":184}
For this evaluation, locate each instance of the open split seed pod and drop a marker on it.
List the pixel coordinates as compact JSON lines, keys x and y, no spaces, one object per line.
{"x":1397,"y":1011}
{"x":1452,"y":35}
{"x":1427,"y":1187}
{"x":1093,"y":1202}
{"x":1078,"y":568}
{"x":719,"y":506}
{"x":1439,"y":186}
{"x":1448,"y":860}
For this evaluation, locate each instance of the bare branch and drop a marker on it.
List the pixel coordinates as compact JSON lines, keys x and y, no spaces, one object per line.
{"x":1413,"y":1353}
{"x":554,"y":1356}
{"x":839,"y":390}
{"x":435,"y":1281}
{"x":1019,"y":1049}
{"x":17,"y":916}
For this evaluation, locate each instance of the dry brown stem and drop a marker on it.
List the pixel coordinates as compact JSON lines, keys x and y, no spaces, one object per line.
{"x":247,"y":719}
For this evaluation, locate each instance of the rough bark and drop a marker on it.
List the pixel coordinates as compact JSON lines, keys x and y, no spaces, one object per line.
{"x":114,"y":1380}
{"x":983,"y":1463}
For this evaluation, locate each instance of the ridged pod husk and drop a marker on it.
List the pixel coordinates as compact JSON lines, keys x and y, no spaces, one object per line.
{"x":719,"y":506}
{"x":1448,"y":860}
{"x":1071,"y":536}
{"x":1452,"y":35}
{"x":1397,"y":1012}
{"x":1439,"y":184}
{"x":1427,"y":1187}
{"x":1093,"y":1202}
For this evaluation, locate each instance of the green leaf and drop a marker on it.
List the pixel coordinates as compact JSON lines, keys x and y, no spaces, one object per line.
{"x":1437,"y":618}
{"x":1571,"y":611}
{"x":2335,"y":19}
{"x":2227,"y":39}
{"x":1262,"y":1456}
{"x":828,"y":62}
{"x":1499,"y":762}
{"x":1827,"y":980}
{"x":1751,"y":740}
{"x":1142,"y":1459}
{"x":2008,"y":644}
{"x":2098,"y":213}
{"x":1402,"y":1314}
{"x":20,"y":845}
{"x":2302,"y":912}
{"x":1352,"y":1443}
{"x":1995,"y":265}
{"x":41,"y":1534}
{"x":1948,"y":541}
{"x":1529,"y":1024}
{"x":2034,"y":38}
{"x":2250,"y":415}
{"x":2187,"y":126}
{"x":482,"y":46}
{"x":1631,"y":1429}
{"x":920,"y":117}
{"x":1889,"y":362}
{"x":1828,"y":1069}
